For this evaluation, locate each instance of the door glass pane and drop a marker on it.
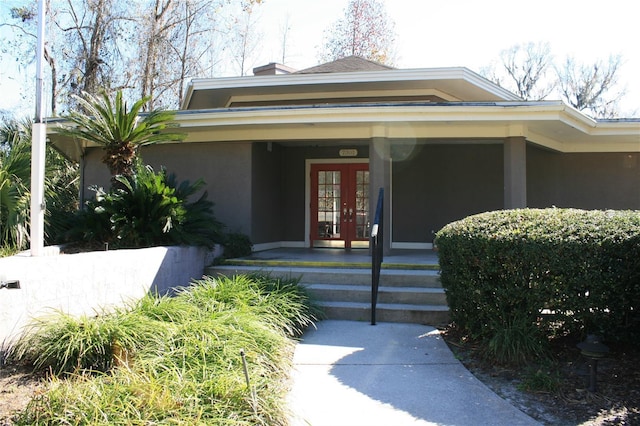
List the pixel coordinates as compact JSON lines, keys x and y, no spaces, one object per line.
{"x":362,"y":204}
{"x":329,"y":203}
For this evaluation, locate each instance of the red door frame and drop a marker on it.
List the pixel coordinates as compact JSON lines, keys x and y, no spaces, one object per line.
{"x":340,"y":223}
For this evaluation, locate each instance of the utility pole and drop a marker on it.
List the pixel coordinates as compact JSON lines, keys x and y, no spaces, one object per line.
{"x":38,"y":144}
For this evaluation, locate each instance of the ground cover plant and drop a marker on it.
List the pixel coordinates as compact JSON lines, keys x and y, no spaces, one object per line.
{"x":171,"y":360}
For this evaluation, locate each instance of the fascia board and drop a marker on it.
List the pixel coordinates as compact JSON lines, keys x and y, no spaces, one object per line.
{"x":494,"y":112}
{"x":499,"y":112}
{"x":187,"y":95}
{"x":417,"y":74}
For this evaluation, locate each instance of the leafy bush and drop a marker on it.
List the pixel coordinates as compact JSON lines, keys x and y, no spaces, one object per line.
{"x":560,"y":270}
{"x":148,"y":209}
{"x":237,"y":245}
{"x":183,"y":363}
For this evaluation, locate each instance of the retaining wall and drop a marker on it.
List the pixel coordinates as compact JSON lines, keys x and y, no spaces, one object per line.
{"x":86,"y":283}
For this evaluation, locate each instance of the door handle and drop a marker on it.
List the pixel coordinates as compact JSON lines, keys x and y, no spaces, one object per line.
{"x":351,"y":215}
{"x":344,"y":214}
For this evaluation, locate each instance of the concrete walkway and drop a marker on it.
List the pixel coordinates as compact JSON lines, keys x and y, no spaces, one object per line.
{"x":352,"y":373}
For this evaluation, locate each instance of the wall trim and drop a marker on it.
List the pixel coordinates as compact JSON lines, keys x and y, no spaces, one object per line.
{"x":278,"y":244}
{"x":412,"y":246}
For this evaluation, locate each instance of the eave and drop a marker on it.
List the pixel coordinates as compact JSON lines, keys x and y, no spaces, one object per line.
{"x":455,"y":84}
{"x":552,"y":125}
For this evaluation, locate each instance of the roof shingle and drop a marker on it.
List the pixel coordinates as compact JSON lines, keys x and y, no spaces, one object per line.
{"x":346,"y":64}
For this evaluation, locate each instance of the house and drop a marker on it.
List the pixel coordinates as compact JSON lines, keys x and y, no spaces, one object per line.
{"x":296,"y":158}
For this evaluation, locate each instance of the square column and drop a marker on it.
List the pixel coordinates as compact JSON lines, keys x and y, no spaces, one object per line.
{"x":515,"y":173}
{"x":380,"y":177}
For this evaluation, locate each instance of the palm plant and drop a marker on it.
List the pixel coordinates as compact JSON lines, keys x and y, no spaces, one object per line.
{"x":149,"y":208}
{"x":118,"y":130}
{"x":15,"y":175}
{"x":61,"y":184}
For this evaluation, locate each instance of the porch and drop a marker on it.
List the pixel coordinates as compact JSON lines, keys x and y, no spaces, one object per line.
{"x":340,"y":281}
{"x":331,"y":257}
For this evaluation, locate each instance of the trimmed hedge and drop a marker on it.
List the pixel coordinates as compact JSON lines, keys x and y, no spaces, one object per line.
{"x":554,"y":271}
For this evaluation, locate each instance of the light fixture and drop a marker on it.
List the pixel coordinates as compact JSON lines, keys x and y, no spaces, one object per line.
{"x":12,"y":284}
{"x":593,"y":350}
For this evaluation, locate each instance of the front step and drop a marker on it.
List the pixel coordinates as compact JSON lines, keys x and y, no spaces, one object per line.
{"x":387,"y":312}
{"x":362,"y":294}
{"x":413,"y":296}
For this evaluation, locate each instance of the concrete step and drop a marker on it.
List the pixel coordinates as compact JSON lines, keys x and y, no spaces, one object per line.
{"x":361,"y":293}
{"x":433,"y":315}
{"x":404,"y":295}
{"x":388,"y":277}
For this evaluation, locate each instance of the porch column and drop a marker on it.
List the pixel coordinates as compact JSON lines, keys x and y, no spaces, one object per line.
{"x":380,"y":177}
{"x":515,"y":172}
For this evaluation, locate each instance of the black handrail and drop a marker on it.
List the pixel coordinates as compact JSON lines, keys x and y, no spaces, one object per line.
{"x":377,"y":244}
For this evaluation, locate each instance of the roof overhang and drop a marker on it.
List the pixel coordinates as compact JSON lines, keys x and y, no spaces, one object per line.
{"x":552,"y":125}
{"x":451,"y":84}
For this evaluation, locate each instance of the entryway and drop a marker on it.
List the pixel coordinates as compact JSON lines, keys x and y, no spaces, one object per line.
{"x":340,"y":205}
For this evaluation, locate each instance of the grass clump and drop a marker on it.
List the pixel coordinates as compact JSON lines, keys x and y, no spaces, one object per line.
{"x":518,"y":341}
{"x":540,"y":379}
{"x":172,"y":360}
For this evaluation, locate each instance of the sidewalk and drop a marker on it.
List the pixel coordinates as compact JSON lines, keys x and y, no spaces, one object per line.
{"x":350,"y":373}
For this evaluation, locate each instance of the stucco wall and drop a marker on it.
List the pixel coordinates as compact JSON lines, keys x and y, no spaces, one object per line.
{"x":266,"y":203}
{"x":433,"y":185}
{"x":84,"y":283}
{"x":225,"y":168}
{"x":583,"y":180}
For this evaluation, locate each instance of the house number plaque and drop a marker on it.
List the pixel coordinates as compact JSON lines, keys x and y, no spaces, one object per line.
{"x":348,"y":152}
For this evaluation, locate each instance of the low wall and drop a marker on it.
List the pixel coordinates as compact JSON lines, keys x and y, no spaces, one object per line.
{"x":85,"y":283}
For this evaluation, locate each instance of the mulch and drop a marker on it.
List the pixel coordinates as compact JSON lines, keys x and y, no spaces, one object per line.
{"x":616,"y":401}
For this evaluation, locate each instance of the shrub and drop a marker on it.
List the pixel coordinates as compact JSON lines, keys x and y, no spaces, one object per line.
{"x":237,"y":245}
{"x":562,"y":270}
{"x":185,"y":365}
{"x":148,"y":209}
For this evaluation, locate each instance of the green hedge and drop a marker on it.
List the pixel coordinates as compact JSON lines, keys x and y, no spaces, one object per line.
{"x":553,"y":271}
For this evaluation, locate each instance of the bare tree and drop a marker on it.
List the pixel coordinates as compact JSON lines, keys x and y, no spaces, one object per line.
{"x":365,"y":31}
{"x":92,"y":31}
{"x":147,"y":48}
{"x":284,"y":34}
{"x":523,"y":69}
{"x":22,"y":21}
{"x":244,"y":38}
{"x":154,"y":27}
{"x":592,"y":88}
{"x":189,"y":44}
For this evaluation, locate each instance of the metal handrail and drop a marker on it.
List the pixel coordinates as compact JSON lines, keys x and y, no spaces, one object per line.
{"x":377,"y":244}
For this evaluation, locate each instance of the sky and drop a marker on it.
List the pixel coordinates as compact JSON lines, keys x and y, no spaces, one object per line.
{"x":470,"y":33}
{"x":449,"y":33}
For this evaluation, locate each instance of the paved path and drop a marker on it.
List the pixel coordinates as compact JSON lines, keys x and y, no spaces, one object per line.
{"x":350,"y":373}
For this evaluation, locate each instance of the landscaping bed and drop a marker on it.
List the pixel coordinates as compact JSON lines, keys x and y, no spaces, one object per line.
{"x":179,"y":360}
{"x":556,"y":392}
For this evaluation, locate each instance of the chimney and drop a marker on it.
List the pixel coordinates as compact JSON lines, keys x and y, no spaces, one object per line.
{"x":272,"y":68}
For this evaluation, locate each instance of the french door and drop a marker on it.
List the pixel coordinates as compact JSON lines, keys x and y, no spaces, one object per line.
{"x":340,"y":205}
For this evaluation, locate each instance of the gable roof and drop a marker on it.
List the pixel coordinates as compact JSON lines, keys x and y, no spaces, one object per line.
{"x":346,"y":64}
